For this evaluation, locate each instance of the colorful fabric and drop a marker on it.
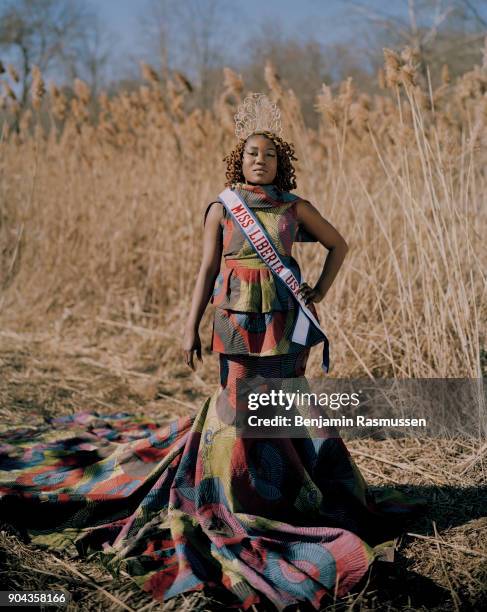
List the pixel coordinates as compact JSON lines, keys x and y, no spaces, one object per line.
{"x":190,"y":504}
{"x":249,"y":287}
{"x":254,"y":313}
{"x":258,"y":333}
{"x":276,"y":212}
{"x":264,"y":248}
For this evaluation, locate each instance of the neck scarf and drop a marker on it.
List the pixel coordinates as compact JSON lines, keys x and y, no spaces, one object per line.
{"x":263,"y":196}
{"x":269,"y":196}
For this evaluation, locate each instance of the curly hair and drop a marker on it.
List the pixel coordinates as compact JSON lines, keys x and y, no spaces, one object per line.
{"x":286,"y":175}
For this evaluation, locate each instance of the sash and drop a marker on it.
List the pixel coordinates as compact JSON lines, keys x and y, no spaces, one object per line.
{"x":262,"y":245}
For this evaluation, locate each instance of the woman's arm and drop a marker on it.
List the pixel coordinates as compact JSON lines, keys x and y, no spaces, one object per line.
{"x":324,"y":232}
{"x":205,"y":282}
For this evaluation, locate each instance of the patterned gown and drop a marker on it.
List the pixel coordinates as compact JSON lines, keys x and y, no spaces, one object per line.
{"x":191,"y":504}
{"x":255,"y":313}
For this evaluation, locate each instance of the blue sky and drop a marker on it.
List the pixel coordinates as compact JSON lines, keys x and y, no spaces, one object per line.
{"x":325,"y":20}
{"x":120,"y":16}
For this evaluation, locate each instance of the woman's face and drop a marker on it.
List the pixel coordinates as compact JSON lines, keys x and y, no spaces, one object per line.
{"x":259,"y":160}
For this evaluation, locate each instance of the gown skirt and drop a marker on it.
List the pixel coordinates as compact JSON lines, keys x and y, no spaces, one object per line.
{"x":190,"y":504}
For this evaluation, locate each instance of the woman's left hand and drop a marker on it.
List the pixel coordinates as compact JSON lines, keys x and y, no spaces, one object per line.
{"x":310,"y":294}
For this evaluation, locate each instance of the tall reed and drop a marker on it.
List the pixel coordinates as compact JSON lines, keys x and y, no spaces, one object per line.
{"x":102,"y":202}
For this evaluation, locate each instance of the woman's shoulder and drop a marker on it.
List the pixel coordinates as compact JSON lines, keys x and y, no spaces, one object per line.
{"x":217,"y":210}
{"x":301,"y":205}
{"x":302,"y":235}
{"x":300,"y":201}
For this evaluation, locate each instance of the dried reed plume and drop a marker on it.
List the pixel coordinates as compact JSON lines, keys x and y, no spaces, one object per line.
{"x":9,"y":92}
{"x":445,"y":74}
{"x":14,"y":75}
{"x":59,"y":102}
{"x":82,"y":91}
{"x":149,"y":74}
{"x":38,"y":89}
{"x":182,"y":82}
{"x":392,"y":65}
{"x":233,"y":83}
{"x":273,"y":81}
{"x":326,"y":105}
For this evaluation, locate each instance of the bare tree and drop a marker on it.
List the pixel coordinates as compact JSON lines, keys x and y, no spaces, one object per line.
{"x":90,"y":57}
{"x":439,"y":31}
{"x":187,"y":36}
{"x":301,"y":65}
{"x":52,"y":34}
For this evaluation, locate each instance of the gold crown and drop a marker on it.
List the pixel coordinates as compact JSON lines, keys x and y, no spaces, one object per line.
{"x":257,"y":114}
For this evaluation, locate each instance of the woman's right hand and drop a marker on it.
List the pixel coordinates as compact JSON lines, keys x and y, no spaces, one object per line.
{"x":191,"y":343}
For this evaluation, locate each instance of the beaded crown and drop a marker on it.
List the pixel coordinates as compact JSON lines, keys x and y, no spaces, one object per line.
{"x":257,"y":114}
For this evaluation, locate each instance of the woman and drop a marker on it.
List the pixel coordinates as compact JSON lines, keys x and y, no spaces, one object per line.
{"x":255,"y":160}
{"x":289,"y":512}
{"x":193,"y":504}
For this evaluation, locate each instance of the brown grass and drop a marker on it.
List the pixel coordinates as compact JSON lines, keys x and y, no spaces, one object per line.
{"x":100,"y":240}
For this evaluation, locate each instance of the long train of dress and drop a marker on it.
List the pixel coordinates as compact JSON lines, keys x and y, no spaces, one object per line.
{"x":192,"y":505}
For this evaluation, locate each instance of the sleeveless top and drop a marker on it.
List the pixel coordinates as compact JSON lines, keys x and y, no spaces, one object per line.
{"x":255,"y":314}
{"x":245,"y":283}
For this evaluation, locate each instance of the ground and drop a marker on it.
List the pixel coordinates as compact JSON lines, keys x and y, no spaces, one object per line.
{"x":440,"y":562}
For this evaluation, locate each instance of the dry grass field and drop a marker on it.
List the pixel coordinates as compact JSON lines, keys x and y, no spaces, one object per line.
{"x":100,"y":240}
